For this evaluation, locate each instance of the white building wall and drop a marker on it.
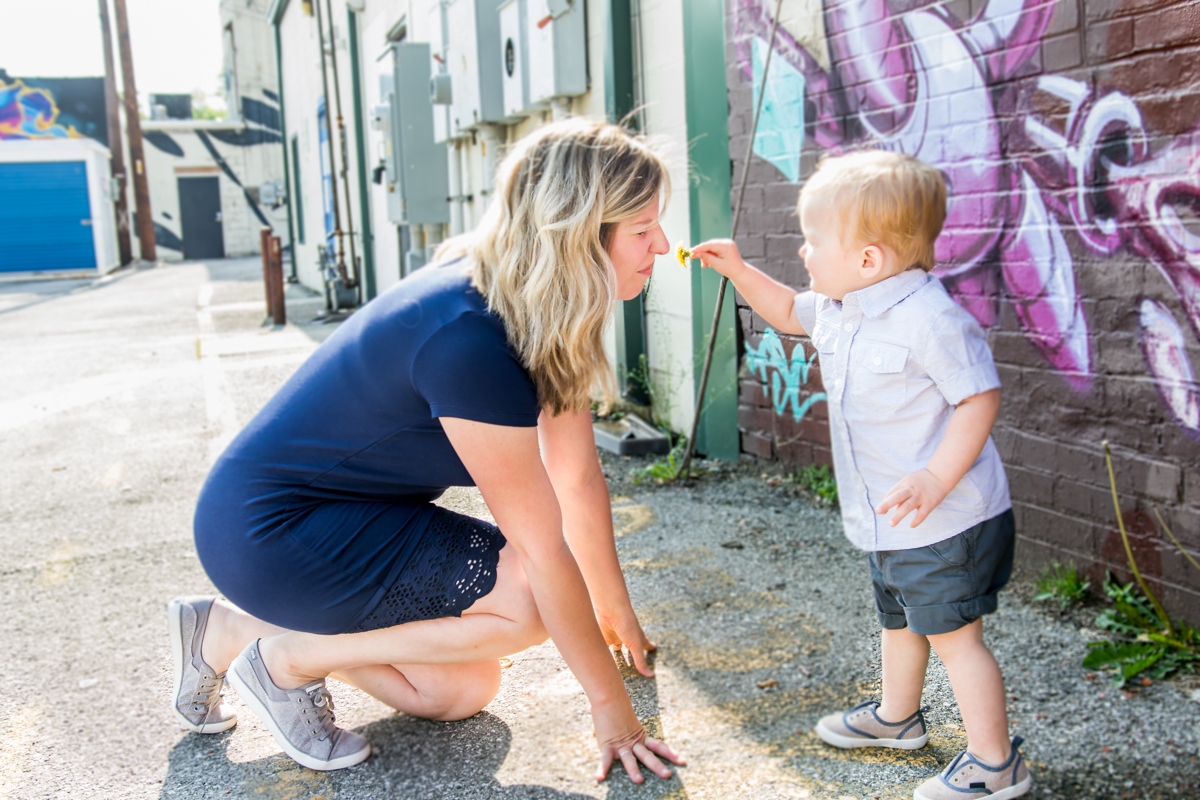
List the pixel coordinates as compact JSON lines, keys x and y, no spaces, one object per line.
{"x":669,"y":338}
{"x":252,"y":166}
{"x":302,"y":90}
{"x":668,"y":324}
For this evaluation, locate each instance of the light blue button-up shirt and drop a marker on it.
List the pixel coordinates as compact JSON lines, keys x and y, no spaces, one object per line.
{"x":896,"y":358}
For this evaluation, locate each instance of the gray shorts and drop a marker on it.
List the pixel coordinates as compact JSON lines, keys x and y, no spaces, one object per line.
{"x":947,"y":585}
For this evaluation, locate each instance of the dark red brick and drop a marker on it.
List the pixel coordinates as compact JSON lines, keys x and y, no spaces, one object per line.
{"x":1169,"y":27}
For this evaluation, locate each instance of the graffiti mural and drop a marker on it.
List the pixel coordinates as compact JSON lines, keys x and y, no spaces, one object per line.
{"x":786,"y":377}
{"x":30,"y":113}
{"x":914,"y":78}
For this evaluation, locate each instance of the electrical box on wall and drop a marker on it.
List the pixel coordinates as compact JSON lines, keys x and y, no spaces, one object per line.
{"x":383,"y":118}
{"x":556,"y":43}
{"x":470,"y":31}
{"x":439,"y":76}
{"x":514,"y":55}
{"x":420,"y":161}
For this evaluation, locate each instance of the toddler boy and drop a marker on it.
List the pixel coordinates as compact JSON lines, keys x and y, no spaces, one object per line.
{"x":913,"y":393}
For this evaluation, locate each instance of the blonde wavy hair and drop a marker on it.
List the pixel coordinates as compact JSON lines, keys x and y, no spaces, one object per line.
{"x":883,"y":198}
{"x":539,"y":254}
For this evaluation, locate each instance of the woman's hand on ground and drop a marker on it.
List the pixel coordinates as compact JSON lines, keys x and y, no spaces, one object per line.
{"x":621,"y":737}
{"x":622,"y":631}
{"x":919,"y":491}
{"x":720,"y":254}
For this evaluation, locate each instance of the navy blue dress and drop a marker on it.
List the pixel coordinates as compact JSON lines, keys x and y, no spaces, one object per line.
{"x":318,"y":516}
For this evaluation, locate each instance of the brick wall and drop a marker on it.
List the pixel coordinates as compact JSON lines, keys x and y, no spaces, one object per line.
{"x":1073,"y":154}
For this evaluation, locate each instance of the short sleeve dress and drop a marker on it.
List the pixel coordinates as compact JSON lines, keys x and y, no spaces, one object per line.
{"x":318,"y":517}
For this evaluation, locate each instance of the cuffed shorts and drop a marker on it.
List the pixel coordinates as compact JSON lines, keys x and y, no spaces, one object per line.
{"x":946,"y":585}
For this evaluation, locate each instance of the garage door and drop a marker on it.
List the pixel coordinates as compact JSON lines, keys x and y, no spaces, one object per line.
{"x":45,"y":219}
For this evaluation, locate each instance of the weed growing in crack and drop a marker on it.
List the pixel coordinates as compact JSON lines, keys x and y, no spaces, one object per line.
{"x":1063,"y":583}
{"x":820,"y":481}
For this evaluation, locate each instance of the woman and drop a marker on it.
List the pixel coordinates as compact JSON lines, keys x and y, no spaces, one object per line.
{"x":317,"y":524}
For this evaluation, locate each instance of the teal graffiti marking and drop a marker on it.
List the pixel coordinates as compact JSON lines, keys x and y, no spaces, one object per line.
{"x":780,"y":134}
{"x":786,"y":376}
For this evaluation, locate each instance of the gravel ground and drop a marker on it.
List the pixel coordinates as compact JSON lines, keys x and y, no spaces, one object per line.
{"x":120,"y":391}
{"x":744,"y":582}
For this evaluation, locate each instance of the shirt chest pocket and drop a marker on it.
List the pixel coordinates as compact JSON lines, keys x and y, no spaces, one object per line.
{"x":824,"y":339}
{"x":877,"y":379}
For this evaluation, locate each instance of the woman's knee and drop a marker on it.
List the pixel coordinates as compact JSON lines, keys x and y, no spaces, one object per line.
{"x":466,"y":694}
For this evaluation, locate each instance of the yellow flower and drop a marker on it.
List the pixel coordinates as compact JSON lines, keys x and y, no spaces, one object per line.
{"x":682,"y":254}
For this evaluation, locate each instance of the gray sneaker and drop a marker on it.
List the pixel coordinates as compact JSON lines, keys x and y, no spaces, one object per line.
{"x":862,"y":727}
{"x":196,"y":699}
{"x":968,"y":778}
{"x":301,"y":720}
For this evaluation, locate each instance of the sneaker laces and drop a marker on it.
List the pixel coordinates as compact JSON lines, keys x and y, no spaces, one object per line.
{"x":322,"y":702}
{"x":208,"y":692}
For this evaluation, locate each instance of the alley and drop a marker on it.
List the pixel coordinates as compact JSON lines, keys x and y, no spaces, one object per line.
{"x":119,"y":392}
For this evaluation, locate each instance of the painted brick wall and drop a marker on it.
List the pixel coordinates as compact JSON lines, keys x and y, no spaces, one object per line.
{"x":1070,"y":135}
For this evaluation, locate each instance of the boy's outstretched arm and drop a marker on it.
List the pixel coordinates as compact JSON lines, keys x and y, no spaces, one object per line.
{"x":966,"y":434}
{"x":773,"y":301}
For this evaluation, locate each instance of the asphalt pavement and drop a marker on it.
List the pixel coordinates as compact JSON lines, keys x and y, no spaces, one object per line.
{"x":118,"y":393}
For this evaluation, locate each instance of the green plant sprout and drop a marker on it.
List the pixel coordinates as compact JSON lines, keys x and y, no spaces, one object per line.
{"x":665,"y":470}
{"x":820,"y":481}
{"x":1063,"y":583}
{"x":1147,"y":640}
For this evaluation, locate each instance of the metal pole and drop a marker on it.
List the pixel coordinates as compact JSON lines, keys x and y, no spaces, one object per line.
{"x":275,"y":271}
{"x":337,"y":217}
{"x":264,"y":247}
{"x":737,"y":215}
{"x":133,"y":124}
{"x":360,"y":158}
{"x":116,"y":145}
{"x":287,"y":167}
{"x":345,"y":172}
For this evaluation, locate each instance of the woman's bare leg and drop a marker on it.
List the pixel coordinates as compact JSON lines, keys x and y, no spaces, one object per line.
{"x":438,"y":691}
{"x":229,"y":631}
{"x":505,"y":621}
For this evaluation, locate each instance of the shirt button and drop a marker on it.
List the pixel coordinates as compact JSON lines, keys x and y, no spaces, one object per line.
{"x":848,"y":326}
{"x":878,"y":360}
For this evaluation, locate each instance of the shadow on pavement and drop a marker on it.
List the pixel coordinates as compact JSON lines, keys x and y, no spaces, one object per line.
{"x":410,"y":758}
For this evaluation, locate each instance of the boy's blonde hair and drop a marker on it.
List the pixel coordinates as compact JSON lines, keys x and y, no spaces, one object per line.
{"x":538,"y":255}
{"x":883,"y":198}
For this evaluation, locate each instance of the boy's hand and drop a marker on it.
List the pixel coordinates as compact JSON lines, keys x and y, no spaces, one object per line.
{"x":918,"y":491}
{"x":722,"y":255}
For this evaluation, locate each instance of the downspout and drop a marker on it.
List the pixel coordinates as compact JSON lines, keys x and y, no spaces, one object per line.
{"x":337,"y":99}
{"x":337,"y":217}
{"x":364,"y":197}
{"x":287,"y":168}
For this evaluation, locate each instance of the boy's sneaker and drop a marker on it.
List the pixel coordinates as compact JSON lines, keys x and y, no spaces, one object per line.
{"x":196,"y":697}
{"x":968,"y":778}
{"x":862,"y":727}
{"x":301,"y":720}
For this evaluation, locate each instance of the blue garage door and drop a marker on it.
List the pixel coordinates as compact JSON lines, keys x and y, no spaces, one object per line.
{"x":45,"y":218}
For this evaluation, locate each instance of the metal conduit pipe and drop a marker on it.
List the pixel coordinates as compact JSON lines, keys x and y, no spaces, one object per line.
{"x":353,"y":280}
{"x":491,"y":137}
{"x":434,"y":235}
{"x":337,"y":218}
{"x":467,"y":193}
{"x":456,"y":189}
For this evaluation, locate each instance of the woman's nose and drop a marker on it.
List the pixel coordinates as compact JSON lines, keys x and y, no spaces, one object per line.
{"x":661,"y":246}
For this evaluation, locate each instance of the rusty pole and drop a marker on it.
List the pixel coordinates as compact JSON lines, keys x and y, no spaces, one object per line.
{"x":278,"y":305}
{"x":115,"y":144}
{"x":264,"y":243}
{"x":133,"y":125}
